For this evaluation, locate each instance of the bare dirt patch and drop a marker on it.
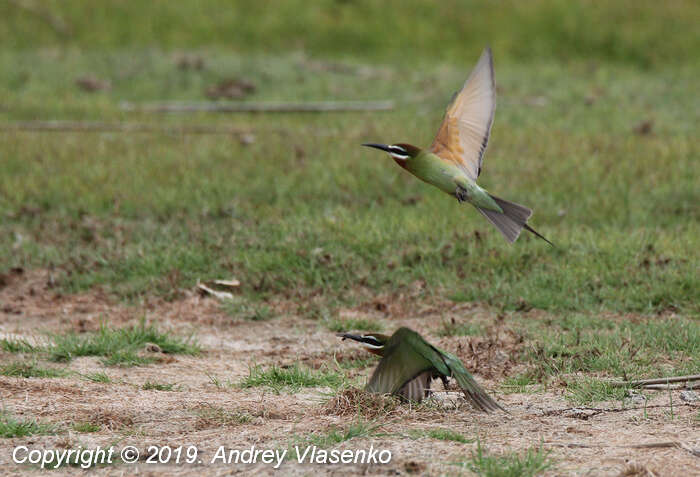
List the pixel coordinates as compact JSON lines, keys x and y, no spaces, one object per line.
{"x":205,"y":408}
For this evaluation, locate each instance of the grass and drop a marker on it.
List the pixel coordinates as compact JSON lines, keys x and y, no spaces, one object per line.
{"x":522,"y":383}
{"x":590,"y":390}
{"x":86,"y":427}
{"x":533,"y":462}
{"x":97,"y":377}
{"x":23,"y":369}
{"x":336,"y":435}
{"x":354,"y":324}
{"x":218,"y":416}
{"x":292,"y":378}
{"x":13,"y":427}
{"x":453,"y":328}
{"x":653,"y":347}
{"x":355,"y":230}
{"x":149,"y":385}
{"x":16,"y":346}
{"x":241,"y":308}
{"x":118,"y":346}
{"x":543,"y":28}
{"x":442,"y":435}
{"x":356,"y":361}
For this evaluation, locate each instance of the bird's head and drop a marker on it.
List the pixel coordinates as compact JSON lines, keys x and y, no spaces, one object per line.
{"x":374,"y":342}
{"x":399,"y":152}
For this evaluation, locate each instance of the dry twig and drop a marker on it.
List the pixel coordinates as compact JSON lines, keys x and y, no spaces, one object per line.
{"x":250,"y":107}
{"x":98,"y":126}
{"x":643,"y":382}
{"x":647,"y":445}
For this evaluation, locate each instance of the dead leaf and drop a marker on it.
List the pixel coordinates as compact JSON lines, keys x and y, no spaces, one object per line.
{"x":92,"y":83}
{"x":228,"y":283}
{"x":205,"y":291}
{"x":644,"y":128}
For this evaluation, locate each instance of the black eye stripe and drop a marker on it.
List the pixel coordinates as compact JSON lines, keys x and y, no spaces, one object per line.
{"x":371,"y":340}
{"x":398,"y":150}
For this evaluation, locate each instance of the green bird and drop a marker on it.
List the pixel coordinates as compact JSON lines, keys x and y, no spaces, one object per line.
{"x":409,"y":363}
{"x":453,"y":162}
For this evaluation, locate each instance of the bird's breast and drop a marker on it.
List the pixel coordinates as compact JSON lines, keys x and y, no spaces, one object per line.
{"x":435,"y":171}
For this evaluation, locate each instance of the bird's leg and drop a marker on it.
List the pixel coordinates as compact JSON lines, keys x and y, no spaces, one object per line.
{"x":461,"y":194}
{"x":445,"y":383}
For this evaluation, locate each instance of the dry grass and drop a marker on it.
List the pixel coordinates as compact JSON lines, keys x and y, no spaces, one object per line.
{"x":119,"y":410}
{"x":357,"y":402}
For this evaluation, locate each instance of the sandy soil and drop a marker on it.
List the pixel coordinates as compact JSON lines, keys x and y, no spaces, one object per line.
{"x":582,"y":442}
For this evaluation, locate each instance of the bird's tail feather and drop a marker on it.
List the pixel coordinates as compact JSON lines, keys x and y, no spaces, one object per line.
{"x":474,"y":393}
{"x":512,"y":221}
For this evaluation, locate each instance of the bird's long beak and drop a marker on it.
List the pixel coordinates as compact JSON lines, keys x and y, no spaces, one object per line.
{"x":382,"y":147}
{"x":346,"y":336}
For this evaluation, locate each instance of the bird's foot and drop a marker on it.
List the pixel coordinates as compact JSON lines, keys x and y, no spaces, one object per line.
{"x":461,"y":194}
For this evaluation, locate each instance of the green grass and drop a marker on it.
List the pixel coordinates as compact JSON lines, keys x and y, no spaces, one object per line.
{"x":86,"y":427}
{"x":292,"y":378}
{"x":118,"y":346}
{"x":442,"y":434}
{"x":97,"y":377}
{"x":241,"y":308}
{"x":622,"y":31}
{"x":356,"y":362}
{"x":24,"y":369}
{"x":453,"y":328}
{"x":532,"y":462}
{"x":628,"y":349}
{"x":341,"y":225}
{"x":13,"y":427}
{"x":522,"y":383}
{"x":590,"y":390}
{"x":16,"y":346}
{"x":336,"y":435}
{"x":149,"y":385}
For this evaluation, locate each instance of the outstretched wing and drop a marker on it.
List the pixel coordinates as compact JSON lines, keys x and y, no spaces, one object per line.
{"x":464,"y":133}
{"x":466,"y":382}
{"x":400,"y":364}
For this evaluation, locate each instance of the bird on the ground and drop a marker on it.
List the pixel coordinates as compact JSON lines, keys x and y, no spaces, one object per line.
{"x":409,"y":363}
{"x":453,"y":162}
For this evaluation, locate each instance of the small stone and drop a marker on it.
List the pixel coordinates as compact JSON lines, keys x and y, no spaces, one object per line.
{"x":636,"y":397}
{"x":689,"y":396}
{"x":153,"y":348}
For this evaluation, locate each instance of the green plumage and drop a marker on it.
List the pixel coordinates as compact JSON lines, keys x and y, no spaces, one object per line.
{"x":408,"y":362}
{"x":447,"y":177}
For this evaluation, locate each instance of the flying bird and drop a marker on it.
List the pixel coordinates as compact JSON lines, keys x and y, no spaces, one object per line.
{"x":409,"y":363}
{"x":453,"y":162}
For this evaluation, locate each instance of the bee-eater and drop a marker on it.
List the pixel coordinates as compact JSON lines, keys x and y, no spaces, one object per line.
{"x":453,"y":162}
{"x":409,"y":363}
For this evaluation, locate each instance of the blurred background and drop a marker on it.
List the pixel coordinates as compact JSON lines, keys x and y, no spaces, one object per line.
{"x":595,"y":130}
{"x":643,"y":33}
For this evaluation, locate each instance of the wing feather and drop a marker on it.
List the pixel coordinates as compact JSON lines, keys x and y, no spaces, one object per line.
{"x":464,"y":132}
{"x":399,"y":365}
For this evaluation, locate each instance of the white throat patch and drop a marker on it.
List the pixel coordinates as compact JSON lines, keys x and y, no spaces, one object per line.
{"x":400,"y":157}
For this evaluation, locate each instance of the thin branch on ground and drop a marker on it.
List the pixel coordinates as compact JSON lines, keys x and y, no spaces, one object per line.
{"x":98,"y":126}
{"x":647,"y":445}
{"x":250,"y":107}
{"x":556,"y":412}
{"x":675,"y":387}
{"x":642,"y":382}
